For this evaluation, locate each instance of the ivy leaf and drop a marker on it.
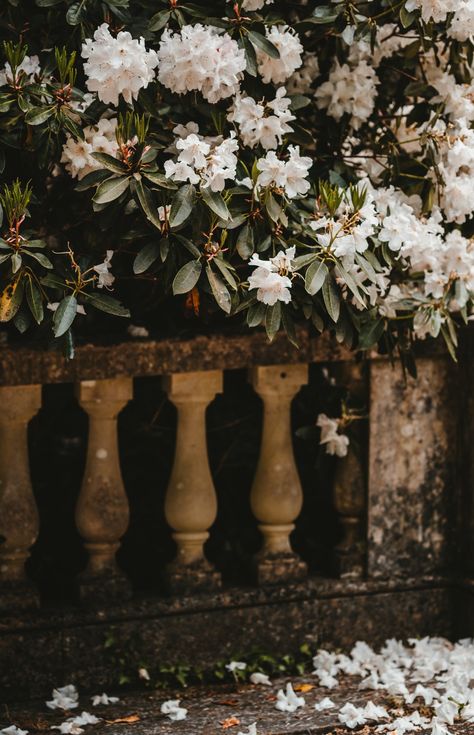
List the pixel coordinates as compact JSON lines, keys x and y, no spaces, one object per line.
{"x":182,"y":205}
{"x":146,"y":257}
{"x":215,"y":202}
{"x":64,"y":315}
{"x":331,"y":298}
{"x":264,"y":44}
{"x":187,"y":277}
{"x":111,"y":189}
{"x":315,"y":277}
{"x":219,"y":289}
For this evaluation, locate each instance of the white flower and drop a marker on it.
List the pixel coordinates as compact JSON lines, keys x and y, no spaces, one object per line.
{"x":200,"y":58}
{"x":302,"y":79}
{"x":325,"y":703}
{"x":209,"y":162}
{"x":236,"y":666}
{"x":289,"y":175}
{"x":436,"y":10}
{"x":462,"y":24}
{"x":64,"y":697}
{"x":289,"y":46}
{"x":30,"y":66}
{"x":258,"y":678}
{"x":270,"y":277}
{"x":335,"y":443}
{"x":288,"y":701}
{"x":172,"y":709}
{"x":106,"y":278}
{"x":263,"y":123}
{"x":68,"y":728}
{"x":438,"y":728}
{"x":255,"y":4}
{"x":142,"y":673}
{"x":99,"y":138}
{"x":352,"y":716}
{"x":139,"y":333}
{"x":103,"y":699}
{"x":117,"y":66}
{"x":350,"y":91}
{"x":13,"y":730}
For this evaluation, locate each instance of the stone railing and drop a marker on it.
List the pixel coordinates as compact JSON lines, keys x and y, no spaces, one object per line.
{"x":399,"y":500}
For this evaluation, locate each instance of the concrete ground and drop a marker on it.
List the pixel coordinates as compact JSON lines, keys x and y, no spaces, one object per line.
{"x":218,"y":710}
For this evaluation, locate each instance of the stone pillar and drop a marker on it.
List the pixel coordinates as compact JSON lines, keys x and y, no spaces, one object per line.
{"x":276,"y":497}
{"x":350,"y":495}
{"x":412,"y":487}
{"x":191,"y":502}
{"x":19,"y":522}
{"x":102,"y":512}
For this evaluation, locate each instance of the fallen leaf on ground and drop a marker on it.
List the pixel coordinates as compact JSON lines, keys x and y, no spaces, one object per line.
{"x":128,"y":720}
{"x":228,"y":702}
{"x":303,"y":687}
{"x":229,"y":722}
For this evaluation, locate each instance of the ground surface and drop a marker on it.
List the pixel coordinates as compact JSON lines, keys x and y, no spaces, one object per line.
{"x":220,"y":710}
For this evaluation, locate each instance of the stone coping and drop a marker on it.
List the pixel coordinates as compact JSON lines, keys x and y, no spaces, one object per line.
{"x":27,"y":365}
{"x":143,"y":608}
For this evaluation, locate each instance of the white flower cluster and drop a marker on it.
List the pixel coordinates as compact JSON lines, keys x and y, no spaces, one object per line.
{"x":77,"y":154}
{"x":262,"y":123}
{"x":335,"y":442}
{"x":172,"y":709}
{"x":255,"y":4}
{"x":200,"y":58}
{"x":349,"y":91}
{"x":271,"y":277}
{"x":462,"y":23}
{"x":278,"y":70}
{"x":289,"y":175}
{"x":117,"y":66}
{"x":205,"y":161}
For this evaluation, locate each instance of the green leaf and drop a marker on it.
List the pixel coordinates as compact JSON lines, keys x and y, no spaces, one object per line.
{"x":159,"y":179}
{"x":256,"y":314}
{"x":106,"y":303}
{"x":215,"y":202}
{"x":111,"y":163}
{"x":159,"y":20}
{"x":325,"y":14}
{"x":371,"y":333}
{"x":273,"y":208}
{"x":64,"y":315}
{"x":40,"y":257}
{"x":16,"y":262}
{"x":182,"y":205}
{"x":315,"y":276}
{"x":146,"y":257}
{"x":74,"y":13}
{"x":145,"y":197}
{"x":47,"y":3}
{"x":219,"y":289}
{"x":406,"y":18}
{"x":245,"y":242}
{"x":39,"y":115}
{"x":92,"y":179}
{"x":35,"y":301}
{"x":263,"y":44}
{"x":331,"y":298}
{"x":273,"y":320}
{"x":111,"y":189}
{"x":349,"y":281}
{"x":187,"y":277}
{"x":250,"y":57}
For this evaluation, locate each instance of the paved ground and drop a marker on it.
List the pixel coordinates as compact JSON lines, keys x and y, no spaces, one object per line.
{"x":224,"y":710}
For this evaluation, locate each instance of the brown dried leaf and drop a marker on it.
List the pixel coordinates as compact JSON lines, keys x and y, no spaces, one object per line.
{"x":229,"y":722}
{"x":303,"y":687}
{"x":229,"y":702}
{"x":128,"y":720}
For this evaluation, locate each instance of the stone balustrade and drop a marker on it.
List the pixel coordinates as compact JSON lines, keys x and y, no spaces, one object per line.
{"x":368,"y":482}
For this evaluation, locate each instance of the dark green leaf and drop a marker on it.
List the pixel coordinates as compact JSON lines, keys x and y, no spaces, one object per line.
{"x":264,"y":44}
{"x":159,"y":20}
{"x":331,"y":298}
{"x":145,"y":197}
{"x":146,"y":257}
{"x":35,"y":301}
{"x":111,"y":163}
{"x":39,"y":115}
{"x":187,"y":277}
{"x":64,"y":315}
{"x":106,"y":303}
{"x":215,"y":202}
{"x":182,"y":205}
{"x":315,"y":276}
{"x":219,"y":289}
{"x":111,"y":189}
{"x":273,"y":320}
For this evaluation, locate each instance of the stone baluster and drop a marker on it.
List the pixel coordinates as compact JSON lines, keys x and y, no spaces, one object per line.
{"x":19,"y":522}
{"x":276,"y":497}
{"x":102,"y":512}
{"x":191,"y":502}
{"x":350,"y":494}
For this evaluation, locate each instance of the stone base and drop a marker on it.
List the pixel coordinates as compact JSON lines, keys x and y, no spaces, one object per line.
{"x":104,"y":589}
{"x":279,"y":568}
{"x":18,"y":597}
{"x":349,"y":563}
{"x":200,"y":577}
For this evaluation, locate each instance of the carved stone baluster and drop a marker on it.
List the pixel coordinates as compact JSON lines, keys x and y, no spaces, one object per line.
{"x":19,"y":522}
{"x":349,"y":494}
{"x":191,"y":502}
{"x":102,"y":512}
{"x":276,"y":497}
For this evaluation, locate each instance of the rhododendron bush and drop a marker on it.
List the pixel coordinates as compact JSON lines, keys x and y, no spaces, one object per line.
{"x":272,"y":162}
